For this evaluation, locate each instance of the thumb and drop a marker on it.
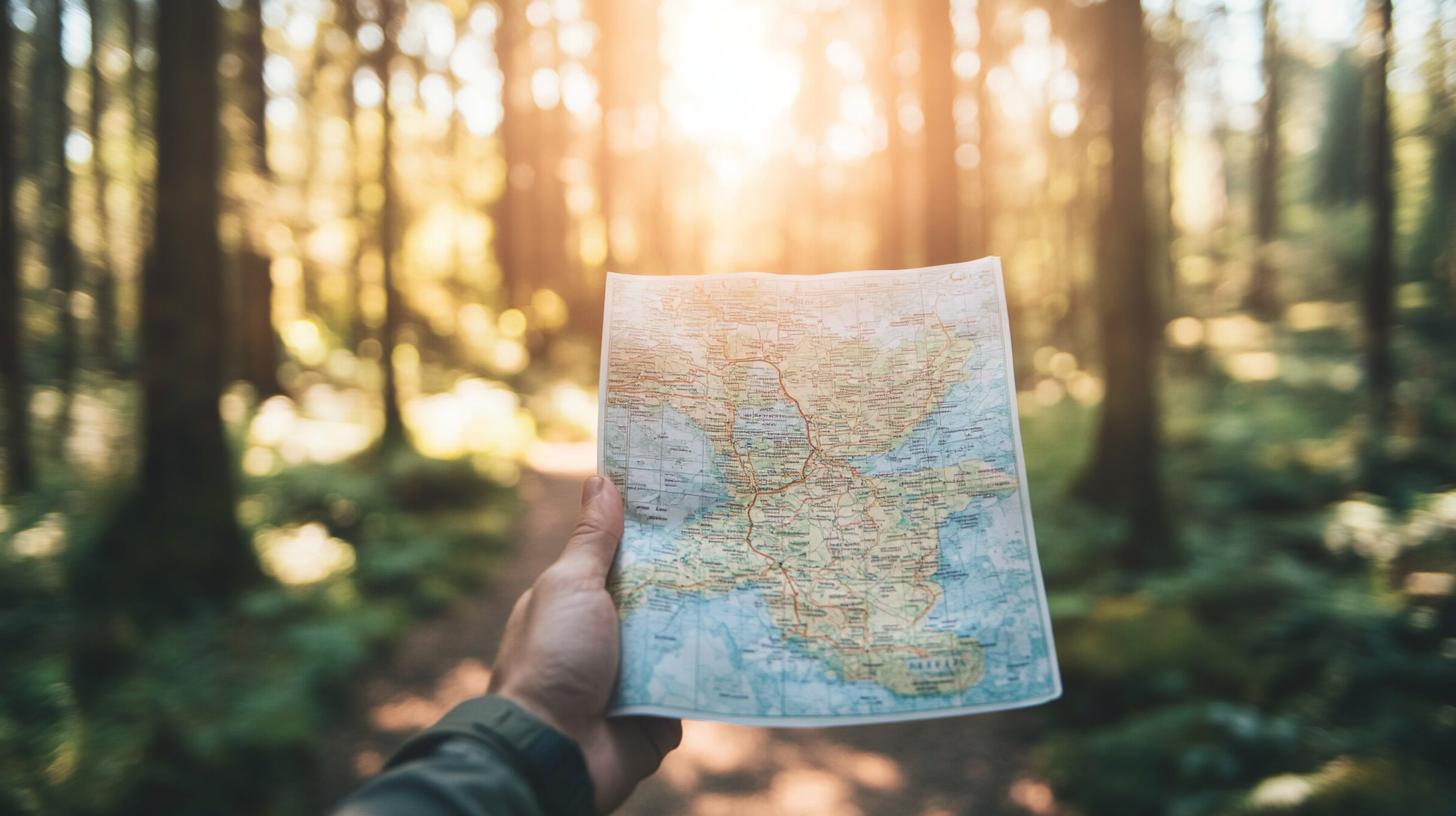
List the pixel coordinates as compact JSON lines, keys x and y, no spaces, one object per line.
{"x":593,"y":544}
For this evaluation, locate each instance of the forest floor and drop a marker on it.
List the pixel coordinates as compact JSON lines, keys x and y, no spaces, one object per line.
{"x":952,"y":766}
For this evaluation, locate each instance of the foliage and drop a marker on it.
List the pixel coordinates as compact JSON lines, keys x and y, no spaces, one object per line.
{"x":1292,"y":666}
{"x":220,"y":713}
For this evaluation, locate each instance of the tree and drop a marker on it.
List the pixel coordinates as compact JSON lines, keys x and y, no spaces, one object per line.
{"x":357,"y":330}
{"x":395,"y":436}
{"x":507,"y":211}
{"x":942,"y":191}
{"x":103,"y":274}
{"x":1342,"y":161}
{"x":614,"y":104}
{"x":52,"y":82}
{"x":1123,"y":473}
{"x":1261,"y":298}
{"x":1433,"y":257}
{"x":175,"y":545}
{"x":257,"y":341}
{"x":19,"y":468}
{"x":1379,"y":279}
{"x":985,"y":137}
{"x":1173,"y":79}
{"x":892,"y":202}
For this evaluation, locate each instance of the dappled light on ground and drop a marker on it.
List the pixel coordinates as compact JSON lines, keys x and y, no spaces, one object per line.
{"x":789,"y":778}
{"x":1034,"y":796}
{"x":414,"y":712}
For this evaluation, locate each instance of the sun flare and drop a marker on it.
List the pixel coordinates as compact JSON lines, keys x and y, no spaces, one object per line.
{"x":731,"y":79}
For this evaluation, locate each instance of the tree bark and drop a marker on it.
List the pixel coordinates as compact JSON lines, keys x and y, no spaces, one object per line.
{"x":356,"y":328}
{"x":19,"y":466}
{"x":506,"y":212}
{"x":257,"y":340}
{"x":1262,"y":299}
{"x":177,"y":545}
{"x":1379,"y":281}
{"x":985,"y":138}
{"x":892,"y":206}
{"x":103,"y":272}
{"x":609,"y":79}
{"x":942,"y":189}
{"x":395,"y":435}
{"x":51,"y":86}
{"x":139,"y":91}
{"x":1172,"y":124}
{"x":1123,"y":474}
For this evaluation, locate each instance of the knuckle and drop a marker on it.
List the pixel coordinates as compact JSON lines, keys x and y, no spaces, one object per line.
{"x":557,"y":578}
{"x":589,"y":527}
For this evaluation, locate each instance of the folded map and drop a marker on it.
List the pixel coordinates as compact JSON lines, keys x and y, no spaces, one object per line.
{"x":827,"y":519}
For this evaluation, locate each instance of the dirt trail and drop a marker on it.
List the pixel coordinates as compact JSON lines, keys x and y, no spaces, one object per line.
{"x":936,"y":768}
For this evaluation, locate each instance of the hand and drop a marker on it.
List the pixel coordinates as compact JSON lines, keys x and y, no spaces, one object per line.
{"x":558,"y":658}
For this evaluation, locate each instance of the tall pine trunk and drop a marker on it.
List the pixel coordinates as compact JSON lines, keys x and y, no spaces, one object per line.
{"x":942,"y":191}
{"x":257,"y":342}
{"x":177,"y":546}
{"x":505,"y":214}
{"x":1123,"y":474}
{"x":103,"y":273}
{"x":140,"y":93}
{"x":985,"y":135}
{"x":1262,"y":298}
{"x":892,"y":205}
{"x":51,"y":86}
{"x":395,"y":436}
{"x":349,"y":13}
{"x":1379,"y":280}
{"x":19,"y":466}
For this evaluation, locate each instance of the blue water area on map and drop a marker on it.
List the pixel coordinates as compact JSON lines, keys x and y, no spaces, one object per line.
{"x":725,"y":655}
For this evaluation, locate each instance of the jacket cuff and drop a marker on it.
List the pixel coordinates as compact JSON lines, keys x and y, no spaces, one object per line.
{"x":550,"y":762}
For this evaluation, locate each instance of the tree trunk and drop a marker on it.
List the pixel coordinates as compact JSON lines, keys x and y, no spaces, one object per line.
{"x":356,"y":329}
{"x":139,"y":91}
{"x":1262,"y":298}
{"x":1174,"y":120}
{"x":1380,"y":270}
{"x":177,"y":545}
{"x":19,"y":467}
{"x":609,"y":76}
{"x":103,"y":273}
{"x":308,"y":277}
{"x":892,"y":206}
{"x":985,"y":136}
{"x":51,"y":87}
{"x":395,"y":435}
{"x":942,"y":191}
{"x":1123,"y":474}
{"x":257,"y":340}
{"x":505,"y":214}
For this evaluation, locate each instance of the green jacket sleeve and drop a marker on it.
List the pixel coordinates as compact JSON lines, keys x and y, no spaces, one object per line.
{"x":487,"y":757}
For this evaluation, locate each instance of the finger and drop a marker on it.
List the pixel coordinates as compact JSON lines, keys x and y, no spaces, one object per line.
{"x":643,"y":742}
{"x":664,"y":734}
{"x":593,"y":544}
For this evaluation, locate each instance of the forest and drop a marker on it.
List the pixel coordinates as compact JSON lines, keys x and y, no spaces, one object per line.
{"x":300,"y":309}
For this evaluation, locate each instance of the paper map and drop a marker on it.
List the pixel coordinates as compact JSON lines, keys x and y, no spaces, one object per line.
{"x":826,"y":509}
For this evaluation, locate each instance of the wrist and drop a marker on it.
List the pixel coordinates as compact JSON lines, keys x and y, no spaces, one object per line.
{"x":535,"y":708}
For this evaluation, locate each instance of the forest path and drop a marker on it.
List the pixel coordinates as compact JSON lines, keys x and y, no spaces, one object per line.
{"x":951,"y":766}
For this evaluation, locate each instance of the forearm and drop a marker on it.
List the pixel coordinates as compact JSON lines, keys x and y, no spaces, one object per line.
{"x":487,"y":757}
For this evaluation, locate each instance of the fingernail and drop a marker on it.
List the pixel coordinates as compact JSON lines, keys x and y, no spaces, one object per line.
{"x":590,"y":490}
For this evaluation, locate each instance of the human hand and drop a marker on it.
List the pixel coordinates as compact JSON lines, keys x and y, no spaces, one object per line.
{"x":558,"y":658}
